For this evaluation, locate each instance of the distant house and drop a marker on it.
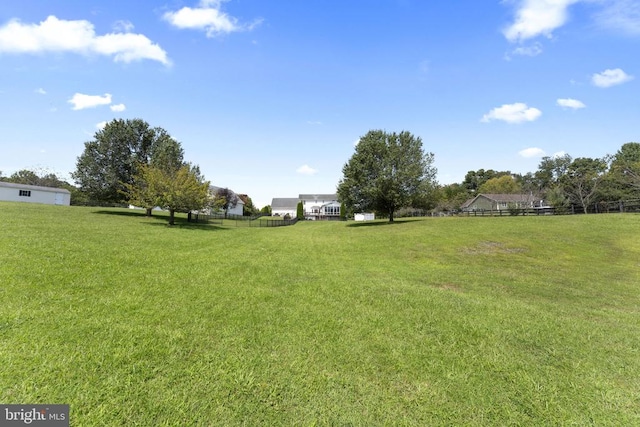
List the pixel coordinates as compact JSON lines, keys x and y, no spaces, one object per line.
{"x":238,"y":209}
{"x":34,"y":194}
{"x":498,"y":202}
{"x":320,"y":206}
{"x":314,"y":206}
{"x":284,"y":206}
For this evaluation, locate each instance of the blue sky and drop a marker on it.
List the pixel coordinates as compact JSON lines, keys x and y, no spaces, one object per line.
{"x":269,"y":97}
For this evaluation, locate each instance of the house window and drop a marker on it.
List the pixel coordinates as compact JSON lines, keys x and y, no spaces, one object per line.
{"x":25,"y":193}
{"x":332,"y":210}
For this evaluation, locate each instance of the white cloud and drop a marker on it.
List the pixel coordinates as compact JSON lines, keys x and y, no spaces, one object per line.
{"x":118,"y":107}
{"x":537,"y":17}
{"x":81,"y":101}
{"x":559,"y":154}
{"x":314,"y":122}
{"x":306,"y":170}
{"x":512,"y":113}
{"x":208,"y":17}
{"x":41,"y":91}
{"x":570,"y":103}
{"x":620,"y":15}
{"x":533,"y":50}
{"x":123,"y":26}
{"x":101,"y":125}
{"x":58,"y":35}
{"x":532,"y":152}
{"x":609,"y":78}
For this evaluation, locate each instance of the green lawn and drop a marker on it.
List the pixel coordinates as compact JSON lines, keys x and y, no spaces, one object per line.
{"x":439,"y":321}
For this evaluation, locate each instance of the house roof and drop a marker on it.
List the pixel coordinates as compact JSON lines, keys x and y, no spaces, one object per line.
{"x":318,"y":196}
{"x":502,"y":198}
{"x":33,"y":187}
{"x":213,"y":190}
{"x":284,"y":203}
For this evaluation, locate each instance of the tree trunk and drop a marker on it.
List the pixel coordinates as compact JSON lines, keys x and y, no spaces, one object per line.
{"x":391,"y":215}
{"x":149,"y":211}
{"x":172,"y":216}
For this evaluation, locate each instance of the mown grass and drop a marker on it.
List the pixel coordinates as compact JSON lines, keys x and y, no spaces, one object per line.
{"x":443,"y":321}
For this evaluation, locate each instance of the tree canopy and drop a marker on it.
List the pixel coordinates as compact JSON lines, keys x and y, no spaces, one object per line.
{"x":225,"y":199}
{"x":180,"y":190}
{"x":109,"y":162}
{"x":388,"y":171}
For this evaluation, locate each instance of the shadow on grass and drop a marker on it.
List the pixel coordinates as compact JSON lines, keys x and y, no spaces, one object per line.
{"x":123,"y":213}
{"x":376,"y":223}
{"x":163,"y":220}
{"x":184,"y":225}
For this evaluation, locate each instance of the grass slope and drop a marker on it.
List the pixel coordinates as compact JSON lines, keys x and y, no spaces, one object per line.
{"x":448,"y":321}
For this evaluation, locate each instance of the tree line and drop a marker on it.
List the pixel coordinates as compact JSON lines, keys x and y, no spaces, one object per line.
{"x":390,"y":172}
{"x":130,"y":162}
{"x":561,"y":181}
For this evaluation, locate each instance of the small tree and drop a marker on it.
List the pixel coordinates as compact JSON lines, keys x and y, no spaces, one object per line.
{"x":300,"y":211}
{"x":266,"y":210}
{"x":343,"y":212}
{"x":387,"y":172}
{"x":225,"y":199}
{"x":182,"y":190}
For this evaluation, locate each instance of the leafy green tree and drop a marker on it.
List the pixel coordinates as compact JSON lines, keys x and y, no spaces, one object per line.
{"x":387,"y":171}
{"x":41,"y":178}
{"x":111,"y":160}
{"x":551,"y":170}
{"x":166,"y":154}
{"x":450,"y":197}
{"x":504,"y":184}
{"x":343,"y":212}
{"x":266,"y":210}
{"x":249,"y":208}
{"x":624,"y":174}
{"x":181,"y":190}
{"x":473,"y":180}
{"x":582,"y":179}
{"x":299,"y":211}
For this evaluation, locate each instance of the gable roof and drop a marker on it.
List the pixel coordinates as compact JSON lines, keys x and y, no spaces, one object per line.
{"x":288,"y":203}
{"x":318,"y":196}
{"x":502,"y":198}
{"x":214,"y":189}
{"x":33,"y":187}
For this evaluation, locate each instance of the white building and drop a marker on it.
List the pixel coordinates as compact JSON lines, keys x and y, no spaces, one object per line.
{"x":11,"y":192}
{"x":320,"y":206}
{"x":284,"y":206}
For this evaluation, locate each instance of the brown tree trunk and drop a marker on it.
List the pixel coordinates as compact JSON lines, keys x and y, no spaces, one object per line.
{"x":172,"y":215}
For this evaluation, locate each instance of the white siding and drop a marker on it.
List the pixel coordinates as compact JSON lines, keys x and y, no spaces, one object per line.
{"x":34,"y":194}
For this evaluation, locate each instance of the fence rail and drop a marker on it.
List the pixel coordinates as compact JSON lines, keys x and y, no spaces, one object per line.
{"x":239,"y":220}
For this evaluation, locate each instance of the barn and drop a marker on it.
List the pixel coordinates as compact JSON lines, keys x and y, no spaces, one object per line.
{"x":11,"y":192}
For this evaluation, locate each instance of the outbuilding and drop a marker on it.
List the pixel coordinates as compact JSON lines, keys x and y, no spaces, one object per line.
{"x":11,"y":192}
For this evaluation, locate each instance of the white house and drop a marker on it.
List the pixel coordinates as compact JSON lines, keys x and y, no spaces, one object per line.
{"x":320,"y":206}
{"x":34,"y":194}
{"x":238,"y":209}
{"x":284,"y":206}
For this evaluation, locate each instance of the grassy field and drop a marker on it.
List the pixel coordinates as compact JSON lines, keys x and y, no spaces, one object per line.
{"x":440,"y":321}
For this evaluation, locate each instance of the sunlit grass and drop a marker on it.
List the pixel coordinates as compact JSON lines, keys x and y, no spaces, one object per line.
{"x":454,"y":321}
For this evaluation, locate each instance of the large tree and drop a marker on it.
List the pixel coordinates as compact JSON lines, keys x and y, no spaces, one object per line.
{"x":504,"y":184}
{"x":388,"y":171}
{"x":111,"y":160}
{"x":180,"y":190}
{"x":624,"y":174}
{"x":582,"y":180}
{"x":166,"y":155}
